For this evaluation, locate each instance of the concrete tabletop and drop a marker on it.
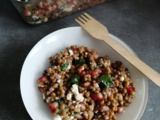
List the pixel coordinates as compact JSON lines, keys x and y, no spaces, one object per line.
{"x":136,"y":22}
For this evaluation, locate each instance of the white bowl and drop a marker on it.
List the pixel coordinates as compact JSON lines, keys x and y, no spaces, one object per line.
{"x":37,"y":61}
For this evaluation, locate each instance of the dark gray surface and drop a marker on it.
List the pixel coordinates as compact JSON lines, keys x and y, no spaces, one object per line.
{"x":136,"y":22}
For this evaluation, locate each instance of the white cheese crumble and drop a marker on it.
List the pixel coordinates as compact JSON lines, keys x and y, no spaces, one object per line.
{"x":86,"y":53}
{"x":70,"y":52}
{"x":35,"y":17}
{"x":78,"y":96}
{"x":97,"y":85}
{"x":121,"y":78}
{"x":69,"y":66}
{"x":69,"y":96}
{"x":96,"y":111}
{"x":59,"y":80}
{"x":70,"y":118}
{"x":68,"y":9}
{"x":106,"y":64}
{"x":57,"y":117}
{"x":55,"y":67}
{"x":82,"y":67}
{"x":57,"y":98}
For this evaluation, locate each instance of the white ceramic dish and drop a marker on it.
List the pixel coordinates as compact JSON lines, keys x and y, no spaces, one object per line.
{"x":37,"y":61}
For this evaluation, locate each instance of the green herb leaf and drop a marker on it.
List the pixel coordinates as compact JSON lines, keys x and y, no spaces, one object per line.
{"x":79,"y":62}
{"x":59,"y":10}
{"x":107,"y":82}
{"x":99,"y":64}
{"x":74,"y":80}
{"x":34,"y":7}
{"x":60,"y":101}
{"x":64,"y":66}
{"x":75,"y":113}
{"x":88,"y":62}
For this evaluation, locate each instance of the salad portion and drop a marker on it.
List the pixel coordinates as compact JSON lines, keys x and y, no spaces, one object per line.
{"x":81,"y":85}
{"x":41,"y":11}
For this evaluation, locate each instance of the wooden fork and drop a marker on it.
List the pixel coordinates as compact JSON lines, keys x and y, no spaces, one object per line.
{"x":100,"y":32}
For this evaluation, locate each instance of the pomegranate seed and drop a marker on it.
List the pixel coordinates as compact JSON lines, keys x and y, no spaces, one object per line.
{"x":87,"y":84}
{"x":104,"y":108}
{"x":39,"y":11}
{"x":73,"y":2}
{"x":97,"y":59}
{"x":98,"y":97}
{"x":43,"y":79}
{"x":27,"y":13}
{"x":129,"y":89}
{"x":82,"y":103}
{"x":93,"y":96}
{"x":49,"y":8}
{"x":82,"y":73}
{"x":92,"y":73}
{"x":99,"y":70}
{"x":53,"y":106}
{"x":40,"y":89}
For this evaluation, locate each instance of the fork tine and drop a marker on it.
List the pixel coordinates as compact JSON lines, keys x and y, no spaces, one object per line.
{"x":88,"y":16}
{"x":79,"y":22}
{"x":85,"y":18}
{"x":82,"y":20}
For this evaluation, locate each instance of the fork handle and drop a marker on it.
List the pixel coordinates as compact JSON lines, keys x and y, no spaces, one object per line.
{"x":135,"y":61}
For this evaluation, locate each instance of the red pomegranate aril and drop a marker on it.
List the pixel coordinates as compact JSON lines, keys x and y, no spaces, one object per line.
{"x":98,"y":97}
{"x":82,"y":103}
{"x":87,"y":84}
{"x":40,"y":89}
{"x":104,"y":108}
{"x":129,"y":89}
{"x":53,"y":106}
{"x":27,"y":13}
{"x":43,"y":79}
{"x":49,"y":8}
{"x":82,"y":73}
{"x":92,"y":73}
{"x":93,"y":96}
{"x":73,"y":2}
{"x":39,"y":11}
{"x":97,"y":59}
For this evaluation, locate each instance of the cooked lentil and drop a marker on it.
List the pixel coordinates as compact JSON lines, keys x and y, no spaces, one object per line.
{"x":80,"y":84}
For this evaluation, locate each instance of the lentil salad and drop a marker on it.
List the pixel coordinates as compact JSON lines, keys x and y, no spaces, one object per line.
{"x":81,"y":85}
